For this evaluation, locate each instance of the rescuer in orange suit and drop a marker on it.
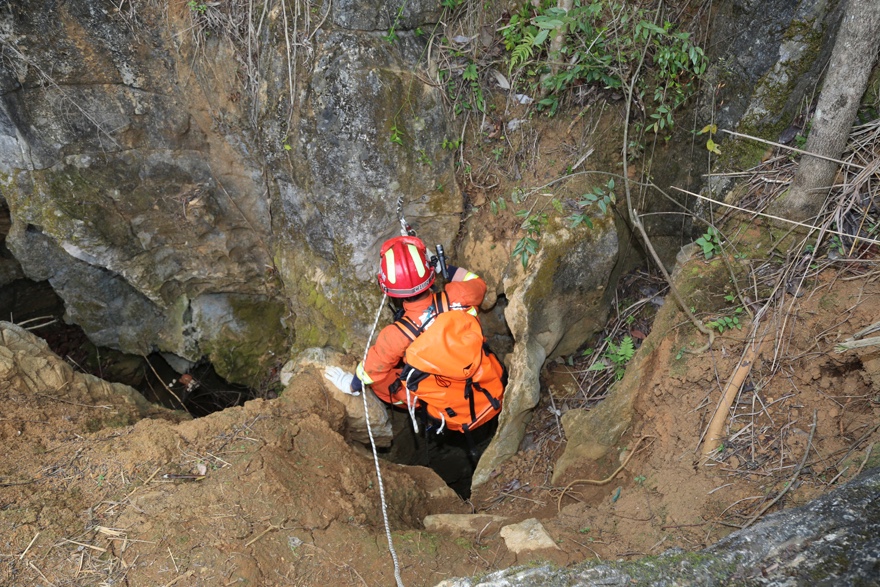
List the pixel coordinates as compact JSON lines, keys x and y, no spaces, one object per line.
{"x":405,"y":273}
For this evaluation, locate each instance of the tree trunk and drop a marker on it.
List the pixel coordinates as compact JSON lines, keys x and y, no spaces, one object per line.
{"x":855,"y":51}
{"x":554,"y":54}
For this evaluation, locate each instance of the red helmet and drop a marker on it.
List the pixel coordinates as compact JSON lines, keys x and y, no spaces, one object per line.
{"x":404,"y":269}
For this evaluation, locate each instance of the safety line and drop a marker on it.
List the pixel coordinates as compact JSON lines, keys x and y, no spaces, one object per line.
{"x":376,"y":454}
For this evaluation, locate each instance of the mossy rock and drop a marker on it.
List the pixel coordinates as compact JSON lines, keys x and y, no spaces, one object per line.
{"x":244,"y":337}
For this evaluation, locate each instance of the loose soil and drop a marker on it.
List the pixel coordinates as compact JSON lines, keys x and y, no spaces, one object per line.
{"x":271,"y":493}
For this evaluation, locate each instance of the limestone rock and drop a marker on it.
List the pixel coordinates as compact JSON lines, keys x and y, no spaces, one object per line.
{"x":464,"y":525}
{"x":336,"y":203}
{"x":590,"y":434}
{"x":317,"y":359}
{"x":552,"y":308}
{"x":185,"y":213}
{"x":833,"y":540}
{"x":367,"y":16}
{"x":29,"y":369}
{"x":526,"y":536}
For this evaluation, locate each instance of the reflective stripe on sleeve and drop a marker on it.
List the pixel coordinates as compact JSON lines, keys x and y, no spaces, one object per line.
{"x":468,"y":276}
{"x":362,"y":375}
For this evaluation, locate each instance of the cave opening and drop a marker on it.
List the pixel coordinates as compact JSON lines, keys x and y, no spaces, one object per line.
{"x":449,"y":454}
{"x":36,"y":306}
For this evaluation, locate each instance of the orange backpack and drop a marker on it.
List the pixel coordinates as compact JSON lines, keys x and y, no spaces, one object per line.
{"x":449,"y":368}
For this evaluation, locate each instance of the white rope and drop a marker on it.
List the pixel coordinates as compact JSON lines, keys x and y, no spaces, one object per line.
{"x":410,"y":404}
{"x":411,"y":408}
{"x":376,"y":456}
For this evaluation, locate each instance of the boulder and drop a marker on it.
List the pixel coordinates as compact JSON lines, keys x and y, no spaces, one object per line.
{"x":316,"y":359}
{"x":32,"y":375}
{"x":553,"y":307}
{"x":833,"y":540}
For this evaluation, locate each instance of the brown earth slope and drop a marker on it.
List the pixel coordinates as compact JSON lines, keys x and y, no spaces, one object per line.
{"x":272,"y":494}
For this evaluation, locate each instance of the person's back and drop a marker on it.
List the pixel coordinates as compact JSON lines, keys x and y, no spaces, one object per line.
{"x":406,"y":274}
{"x":449,"y":370}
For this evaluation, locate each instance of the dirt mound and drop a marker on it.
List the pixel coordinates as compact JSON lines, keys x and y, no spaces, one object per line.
{"x":664,"y":498}
{"x":263,"y":494}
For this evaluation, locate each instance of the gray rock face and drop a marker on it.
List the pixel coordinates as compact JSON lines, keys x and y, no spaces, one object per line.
{"x":833,"y":540}
{"x":337,"y":202}
{"x":765,"y":60}
{"x":158,"y":175}
{"x":768,"y":54}
{"x":552,"y":309}
{"x":367,"y":16}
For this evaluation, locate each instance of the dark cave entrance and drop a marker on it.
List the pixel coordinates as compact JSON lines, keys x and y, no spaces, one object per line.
{"x":200,"y":391}
{"x":448,"y":454}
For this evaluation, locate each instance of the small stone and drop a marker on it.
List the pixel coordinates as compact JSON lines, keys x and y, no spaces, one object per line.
{"x":464,"y":525}
{"x":526,"y":536}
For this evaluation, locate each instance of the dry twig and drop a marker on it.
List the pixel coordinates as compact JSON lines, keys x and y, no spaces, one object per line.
{"x":603,"y":481}
{"x":793,"y":478}
{"x":716,"y":425}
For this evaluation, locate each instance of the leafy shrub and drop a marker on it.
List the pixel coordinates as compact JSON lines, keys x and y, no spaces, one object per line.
{"x":603,"y":43}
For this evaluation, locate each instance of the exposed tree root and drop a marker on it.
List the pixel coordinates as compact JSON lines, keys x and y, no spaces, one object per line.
{"x":603,"y":481}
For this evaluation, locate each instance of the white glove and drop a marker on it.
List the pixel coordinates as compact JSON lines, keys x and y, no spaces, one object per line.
{"x":341,"y":379}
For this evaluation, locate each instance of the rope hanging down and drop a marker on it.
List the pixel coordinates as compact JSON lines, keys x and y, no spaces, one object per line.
{"x":376,"y":457}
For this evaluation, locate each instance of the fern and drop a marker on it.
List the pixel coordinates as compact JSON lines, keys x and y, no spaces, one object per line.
{"x":523,"y":51}
{"x":616,"y":357}
{"x":623,"y":352}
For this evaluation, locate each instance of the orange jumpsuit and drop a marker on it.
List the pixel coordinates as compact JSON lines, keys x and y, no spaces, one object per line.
{"x":383,"y":364}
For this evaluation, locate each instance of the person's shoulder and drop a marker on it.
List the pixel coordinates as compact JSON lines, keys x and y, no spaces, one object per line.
{"x":469,"y":292}
{"x":393,"y":333}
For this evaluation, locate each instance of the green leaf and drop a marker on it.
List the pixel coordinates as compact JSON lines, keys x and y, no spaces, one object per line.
{"x":709,"y":128}
{"x":712,"y":147}
{"x":541,"y":37}
{"x":548,"y":23}
{"x":652,"y":27}
{"x":470,"y":72}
